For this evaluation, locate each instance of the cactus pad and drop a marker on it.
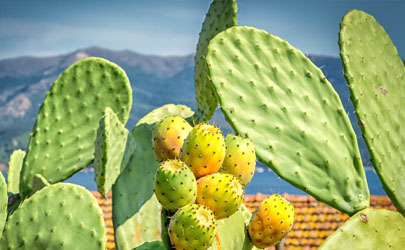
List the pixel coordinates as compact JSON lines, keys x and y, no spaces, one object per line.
{"x":376,"y":77}
{"x":41,"y":221}
{"x":110,"y":147}
{"x":3,"y":201}
{"x":175,"y":185}
{"x":14,"y":169}
{"x":62,"y":140}
{"x":153,"y":245}
{"x":166,"y":111}
{"x":274,"y":95}
{"x":221,"y":15}
{"x":369,"y":229}
{"x":38,"y":183}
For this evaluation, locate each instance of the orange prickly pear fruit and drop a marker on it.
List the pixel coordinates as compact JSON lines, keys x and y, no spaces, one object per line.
{"x":168,"y":136}
{"x":271,"y":221}
{"x":240,"y":158}
{"x":203,"y":150}
{"x":222,"y":193}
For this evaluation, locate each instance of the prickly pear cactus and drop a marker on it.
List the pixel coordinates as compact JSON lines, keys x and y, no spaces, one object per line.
{"x":221,"y":15}
{"x":369,"y":229}
{"x":62,"y":140}
{"x":240,"y":159}
{"x":271,"y":221}
{"x":153,"y":245}
{"x":175,"y":185}
{"x":203,"y":150}
{"x":192,"y":227}
{"x":135,"y":207}
{"x":274,"y":95}
{"x":3,"y":201}
{"x":49,"y":213}
{"x":109,"y":151}
{"x":168,"y":137}
{"x":222,"y":193}
{"x":375,"y":74}
{"x":14,"y":169}
{"x":38,"y":183}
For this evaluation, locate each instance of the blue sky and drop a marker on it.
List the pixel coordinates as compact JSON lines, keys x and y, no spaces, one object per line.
{"x":163,"y":27}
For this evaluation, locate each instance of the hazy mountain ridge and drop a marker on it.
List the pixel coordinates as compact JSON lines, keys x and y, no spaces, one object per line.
{"x":155,"y":81}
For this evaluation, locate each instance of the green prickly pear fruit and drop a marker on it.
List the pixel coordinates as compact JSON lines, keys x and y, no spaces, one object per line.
{"x":203,"y":150}
{"x":240,"y":158}
{"x":192,"y":227}
{"x":168,"y":136}
{"x":271,"y":221}
{"x":222,"y":193}
{"x":175,"y":185}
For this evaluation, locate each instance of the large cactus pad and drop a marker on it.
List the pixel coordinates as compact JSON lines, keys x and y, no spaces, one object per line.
{"x":60,"y":216}
{"x":135,"y":207}
{"x":221,"y":15}
{"x":109,"y":153}
{"x":274,"y":95}
{"x":14,"y":169}
{"x":375,"y":74}
{"x":62,"y":140}
{"x":369,"y":229}
{"x":3,"y":201}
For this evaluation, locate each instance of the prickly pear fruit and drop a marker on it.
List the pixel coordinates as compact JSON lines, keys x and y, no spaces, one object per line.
{"x":192,"y":227}
{"x":222,"y":193}
{"x":168,"y":136}
{"x":175,"y":185}
{"x":240,"y":158}
{"x":271,"y":221}
{"x":203,"y":150}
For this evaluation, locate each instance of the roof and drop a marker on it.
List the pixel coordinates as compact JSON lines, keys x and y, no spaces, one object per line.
{"x":314,"y":220}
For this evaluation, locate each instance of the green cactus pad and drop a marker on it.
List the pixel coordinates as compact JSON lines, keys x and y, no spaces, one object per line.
{"x":60,"y":216}
{"x":221,"y":15}
{"x":38,"y":183}
{"x":14,"y":169}
{"x":3,"y":201}
{"x":135,"y":208}
{"x":274,"y":95}
{"x":153,"y":245}
{"x":110,"y":147}
{"x":369,"y":229}
{"x":62,"y":140}
{"x":166,"y":111}
{"x":375,"y":74}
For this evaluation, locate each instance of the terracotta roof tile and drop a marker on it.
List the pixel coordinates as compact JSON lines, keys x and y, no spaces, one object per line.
{"x":314,"y":220}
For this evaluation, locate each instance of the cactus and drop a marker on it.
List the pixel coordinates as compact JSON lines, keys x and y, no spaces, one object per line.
{"x":240,"y":158}
{"x":222,"y":193}
{"x":168,"y":137}
{"x":153,"y":245}
{"x":375,"y":74}
{"x":62,"y":140}
{"x":14,"y":170}
{"x":3,"y":202}
{"x":38,"y":183}
{"x":203,"y":150}
{"x":175,"y":185}
{"x":50,"y":212}
{"x":221,"y":15}
{"x":271,"y":221}
{"x":109,"y":151}
{"x":271,"y":93}
{"x":369,"y":229}
{"x":135,"y":207}
{"x":192,"y":227}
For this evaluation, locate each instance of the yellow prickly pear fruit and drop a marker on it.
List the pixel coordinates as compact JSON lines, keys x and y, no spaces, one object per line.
{"x":222,"y":193}
{"x":203,"y":150}
{"x":271,"y":221}
{"x":240,"y":158}
{"x":168,"y":137}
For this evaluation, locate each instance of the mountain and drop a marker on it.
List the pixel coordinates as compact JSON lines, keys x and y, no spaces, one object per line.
{"x":155,"y":81}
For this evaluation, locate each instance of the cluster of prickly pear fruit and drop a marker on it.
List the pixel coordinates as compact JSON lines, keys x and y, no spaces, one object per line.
{"x":217,"y":195}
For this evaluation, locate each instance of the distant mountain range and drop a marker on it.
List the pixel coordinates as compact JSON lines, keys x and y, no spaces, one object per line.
{"x":155,"y":81}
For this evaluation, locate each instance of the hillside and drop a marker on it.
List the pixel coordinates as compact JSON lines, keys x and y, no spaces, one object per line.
{"x":155,"y":81}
